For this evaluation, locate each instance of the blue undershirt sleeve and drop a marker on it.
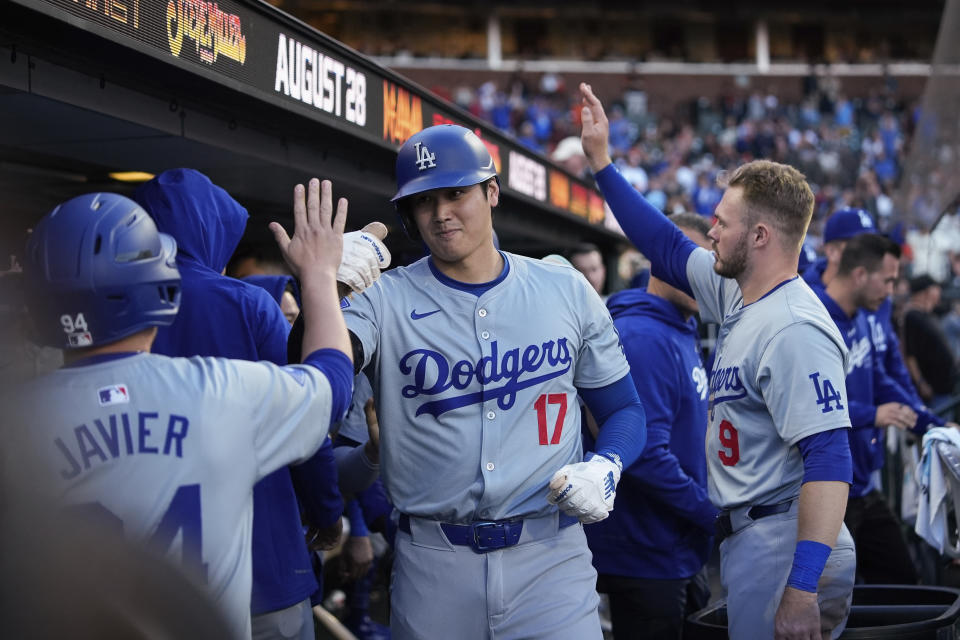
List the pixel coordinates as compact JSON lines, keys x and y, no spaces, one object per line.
{"x":826,"y":456}
{"x":338,"y":369}
{"x":315,"y":483}
{"x":648,"y":229}
{"x":619,"y":413}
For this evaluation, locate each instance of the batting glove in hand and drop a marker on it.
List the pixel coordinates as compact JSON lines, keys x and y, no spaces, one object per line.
{"x":586,"y":490}
{"x":364,"y":256}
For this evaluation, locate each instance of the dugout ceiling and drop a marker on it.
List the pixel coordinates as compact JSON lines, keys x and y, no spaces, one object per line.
{"x":245,"y":93}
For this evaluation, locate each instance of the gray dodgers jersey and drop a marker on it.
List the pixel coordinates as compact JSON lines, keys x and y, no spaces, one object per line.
{"x":778,"y":377}
{"x":169,"y":449}
{"x":477,"y":397}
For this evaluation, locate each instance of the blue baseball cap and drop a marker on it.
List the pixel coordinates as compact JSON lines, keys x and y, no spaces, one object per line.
{"x":847,"y":223}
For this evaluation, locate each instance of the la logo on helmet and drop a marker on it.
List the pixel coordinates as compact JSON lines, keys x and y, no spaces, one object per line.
{"x":425,"y":159}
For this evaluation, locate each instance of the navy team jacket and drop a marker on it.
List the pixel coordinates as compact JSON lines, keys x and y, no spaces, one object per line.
{"x":662,"y":521}
{"x":224,"y":317}
{"x":868,"y":386}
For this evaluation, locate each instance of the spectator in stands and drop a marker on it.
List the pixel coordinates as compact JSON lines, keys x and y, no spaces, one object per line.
{"x":569,"y":155}
{"x":706,"y":195}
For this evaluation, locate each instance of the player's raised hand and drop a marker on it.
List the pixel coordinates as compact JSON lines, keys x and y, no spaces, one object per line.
{"x":595,"y":134}
{"x":317,"y":242}
{"x":797,"y":617}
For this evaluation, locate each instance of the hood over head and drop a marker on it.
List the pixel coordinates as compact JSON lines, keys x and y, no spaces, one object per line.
{"x":205,"y":221}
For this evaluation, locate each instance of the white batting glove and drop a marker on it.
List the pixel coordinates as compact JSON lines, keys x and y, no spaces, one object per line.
{"x":364,"y":256}
{"x":586,"y":490}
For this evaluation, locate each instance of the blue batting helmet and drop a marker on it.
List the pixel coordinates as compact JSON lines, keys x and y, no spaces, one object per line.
{"x":440,"y":157}
{"x":97,"y":270}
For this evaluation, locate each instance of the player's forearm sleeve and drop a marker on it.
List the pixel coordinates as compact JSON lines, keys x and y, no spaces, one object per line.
{"x":315,"y":483}
{"x":649,"y":230}
{"x":336,"y":366}
{"x":358,"y":526}
{"x":826,"y":457}
{"x":623,"y":423}
{"x":355,"y":472}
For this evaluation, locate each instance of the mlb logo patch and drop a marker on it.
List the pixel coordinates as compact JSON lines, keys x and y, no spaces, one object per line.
{"x":114,"y":394}
{"x":80,"y":339}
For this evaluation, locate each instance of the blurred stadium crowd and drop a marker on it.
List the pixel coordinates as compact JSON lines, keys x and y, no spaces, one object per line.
{"x":850,"y":147}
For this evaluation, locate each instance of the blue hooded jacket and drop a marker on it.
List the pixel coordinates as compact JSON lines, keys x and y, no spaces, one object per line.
{"x":275,"y":286}
{"x":225,"y":317}
{"x":662,"y":521}
{"x":883,"y":335}
{"x":868,"y":386}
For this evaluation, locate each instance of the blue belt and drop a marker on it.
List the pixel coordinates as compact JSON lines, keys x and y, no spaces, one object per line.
{"x":485,"y":535}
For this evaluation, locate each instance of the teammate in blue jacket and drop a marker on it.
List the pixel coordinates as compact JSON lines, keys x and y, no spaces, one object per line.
{"x":864,"y":279}
{"x":225,"y":317}
{"x":840,"y":227}
{"x":778,"y":457}
{"x":652,"y":546}
{"x":167,"y":450}
{"x":477,"y":358}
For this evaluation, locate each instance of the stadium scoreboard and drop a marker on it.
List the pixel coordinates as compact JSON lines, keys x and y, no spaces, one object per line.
{"x":261,"y":51}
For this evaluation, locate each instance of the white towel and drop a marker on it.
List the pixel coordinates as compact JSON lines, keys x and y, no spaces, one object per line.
{"x":934,"y":486}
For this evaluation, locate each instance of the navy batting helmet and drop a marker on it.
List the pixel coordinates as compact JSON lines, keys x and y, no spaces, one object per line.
{"x":439,"y":157}
{"x":97,"y":270}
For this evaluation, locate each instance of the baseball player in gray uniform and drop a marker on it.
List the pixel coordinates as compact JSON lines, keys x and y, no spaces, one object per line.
{"x":167,"y":450}
{"x":777,"y":451}
{"x":477,"y":358}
